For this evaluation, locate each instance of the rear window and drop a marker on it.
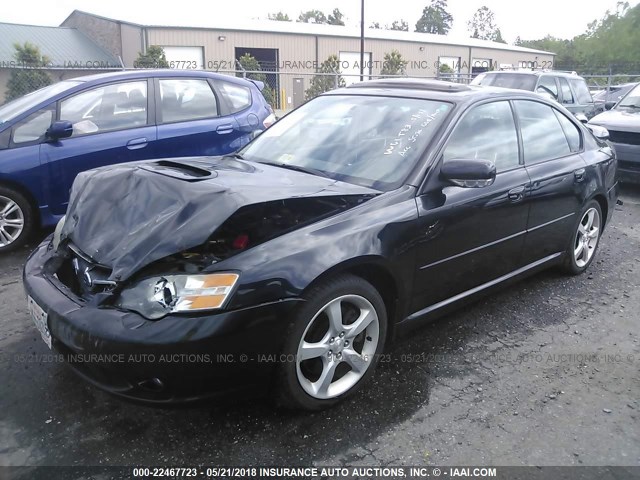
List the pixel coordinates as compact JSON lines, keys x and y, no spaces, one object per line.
{"x":582,"y":91}
{"x":519,"y":81}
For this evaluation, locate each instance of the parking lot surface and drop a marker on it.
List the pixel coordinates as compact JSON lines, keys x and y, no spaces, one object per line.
{"x":547,"y":372}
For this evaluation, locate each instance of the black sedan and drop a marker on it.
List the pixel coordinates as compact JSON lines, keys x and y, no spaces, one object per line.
{"x":290,"y":266}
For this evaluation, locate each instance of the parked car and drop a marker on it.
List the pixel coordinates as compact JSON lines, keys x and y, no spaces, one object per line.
{"x":608,"y":97}
{"x":290,"y":266}
{"x":568,"y":89}
{"x":49,"y":136}
{"x":623,"y":124}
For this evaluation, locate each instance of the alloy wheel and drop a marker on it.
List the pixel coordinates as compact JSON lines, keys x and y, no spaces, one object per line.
{"x":337,"y":347}
{"x":587,"y":237}
{"x":11,"y":221}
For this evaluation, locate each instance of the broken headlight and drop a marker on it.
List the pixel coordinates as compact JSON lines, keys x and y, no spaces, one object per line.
{"x":156,"y":297}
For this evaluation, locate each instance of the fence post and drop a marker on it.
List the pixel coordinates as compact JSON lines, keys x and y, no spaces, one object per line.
{"x":609,"y":80}
{"x":241,"y":68}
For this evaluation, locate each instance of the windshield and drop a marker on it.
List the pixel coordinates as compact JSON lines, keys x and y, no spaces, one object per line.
{"x":30,"y":100}
{"x":369,"y":141}
{"x":632,"y":98}
{"x":519,"y":81}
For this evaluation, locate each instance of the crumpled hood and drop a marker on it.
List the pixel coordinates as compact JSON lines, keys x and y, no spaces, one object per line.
{"x":626,"y":120}
{"x":129,"y":215}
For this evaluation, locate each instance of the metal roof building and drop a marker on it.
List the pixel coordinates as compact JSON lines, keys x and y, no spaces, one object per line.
{"x":292,"y":51}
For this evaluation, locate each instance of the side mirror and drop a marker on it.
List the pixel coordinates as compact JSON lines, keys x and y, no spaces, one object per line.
{"x":60,"y":129}
{"x":609,"y":105}
{"x":599,"y":132}
{"x":469,"y":173}
{"x":582,"y":117}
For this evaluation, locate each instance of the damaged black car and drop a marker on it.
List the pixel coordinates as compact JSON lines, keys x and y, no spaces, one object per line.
{"x":287,"y":269}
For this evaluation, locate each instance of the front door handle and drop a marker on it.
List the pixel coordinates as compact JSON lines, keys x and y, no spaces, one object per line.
{"x":516,"y":194}
{"x":579,"y":175}
{"x":137,"y":143}
{"x":224,"y":129}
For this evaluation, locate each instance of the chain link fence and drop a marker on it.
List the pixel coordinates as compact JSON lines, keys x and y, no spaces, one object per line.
{"x":283,"y":90}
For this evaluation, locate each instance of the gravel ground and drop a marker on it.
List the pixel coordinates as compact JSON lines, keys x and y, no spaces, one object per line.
{"x":544,"y":373}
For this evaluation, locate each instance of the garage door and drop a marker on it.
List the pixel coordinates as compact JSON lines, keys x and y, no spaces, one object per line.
{"x":185,"y":58}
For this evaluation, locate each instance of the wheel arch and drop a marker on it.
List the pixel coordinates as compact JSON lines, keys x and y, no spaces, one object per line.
{"x":26,"y":193}
{"x":604,"y":207}
{"x":378,"y":273}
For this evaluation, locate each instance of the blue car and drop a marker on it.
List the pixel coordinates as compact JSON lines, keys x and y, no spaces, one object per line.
{"x":47,"y":137}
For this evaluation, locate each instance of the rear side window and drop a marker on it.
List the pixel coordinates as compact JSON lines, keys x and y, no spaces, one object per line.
{"x":182,"y":100}
{"x":238,"y":96}
{"x":548,"y":85}
{"x":582,"y":91}
{"x":567,"y":95}
{"x":542,"y":135}
{"x":570,"y":130}
{"x":487,"y":132}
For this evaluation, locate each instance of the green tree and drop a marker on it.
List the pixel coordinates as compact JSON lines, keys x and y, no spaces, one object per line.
{"x":335,"y":18}
{"x":153,"y":58}
{"x":312,"y":16}
{"x":435,"y":18}
{"x":279,"y":17}
{"x":499,"y":38}
{"x":324,"y":83}
{"x":375,"y":26}
{"x":28,"y":77}
{"x":393,"y":64}
{"x":400,"y":25}
{"x":251,"y":64}
{"x":483,"y":26}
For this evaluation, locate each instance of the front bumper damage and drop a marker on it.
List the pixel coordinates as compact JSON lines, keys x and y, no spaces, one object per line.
{"x":179,"y":358}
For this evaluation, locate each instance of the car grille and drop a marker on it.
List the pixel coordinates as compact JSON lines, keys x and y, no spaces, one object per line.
{"x":629,"y":138}
{"x":83,"y":276}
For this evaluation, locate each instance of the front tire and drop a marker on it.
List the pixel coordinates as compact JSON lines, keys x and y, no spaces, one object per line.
{"x":333,"y":344}
{"x":585,"y":239}
{"x":17,"y":220}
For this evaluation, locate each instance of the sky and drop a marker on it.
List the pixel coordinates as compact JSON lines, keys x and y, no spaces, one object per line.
{"x":531,"y":19}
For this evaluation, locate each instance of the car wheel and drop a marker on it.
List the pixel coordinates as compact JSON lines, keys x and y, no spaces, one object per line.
{"x":333,"y":344}
{"x":16,"y":219}
{"x":585,"y":239}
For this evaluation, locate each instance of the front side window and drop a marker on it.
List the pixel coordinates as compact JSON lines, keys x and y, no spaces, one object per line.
{"x":487,"y":132}
{"x":107,"y":108}
{"x":542,"y":135}
{"x":182,"y":100}
{"x":33,"y":128}
{"x":582,"y":91}
{"x":571,"y":131}
{"x":370,"y":141}
{"x":567,"y":95}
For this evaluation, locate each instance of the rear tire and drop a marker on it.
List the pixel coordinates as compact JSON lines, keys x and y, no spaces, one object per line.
{"x":17,"y":219}
{"x":333,"y":344}
{"x":585,"y":239}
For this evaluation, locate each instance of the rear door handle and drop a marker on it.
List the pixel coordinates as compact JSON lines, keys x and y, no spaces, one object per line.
{"x":224,"y":129}
{"x":516,"y":194}
{"x":137,"y":143}
{"x":579,"y":175}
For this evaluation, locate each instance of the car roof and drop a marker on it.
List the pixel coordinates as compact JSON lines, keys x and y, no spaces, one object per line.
{"x":554,"y":73}
{"x":429,"y":89}
{"x":155,"y":73}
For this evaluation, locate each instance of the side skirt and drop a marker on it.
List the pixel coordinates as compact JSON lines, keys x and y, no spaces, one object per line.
{"x":445,"y":306}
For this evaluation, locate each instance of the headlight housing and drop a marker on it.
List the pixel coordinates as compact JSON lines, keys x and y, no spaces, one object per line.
{"x":156,"y":297}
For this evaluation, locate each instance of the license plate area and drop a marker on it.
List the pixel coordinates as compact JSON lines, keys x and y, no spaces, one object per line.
{"x":39,"y":317}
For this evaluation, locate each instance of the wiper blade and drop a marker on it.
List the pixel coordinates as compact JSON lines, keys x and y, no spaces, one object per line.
{"x":298,"y":168}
